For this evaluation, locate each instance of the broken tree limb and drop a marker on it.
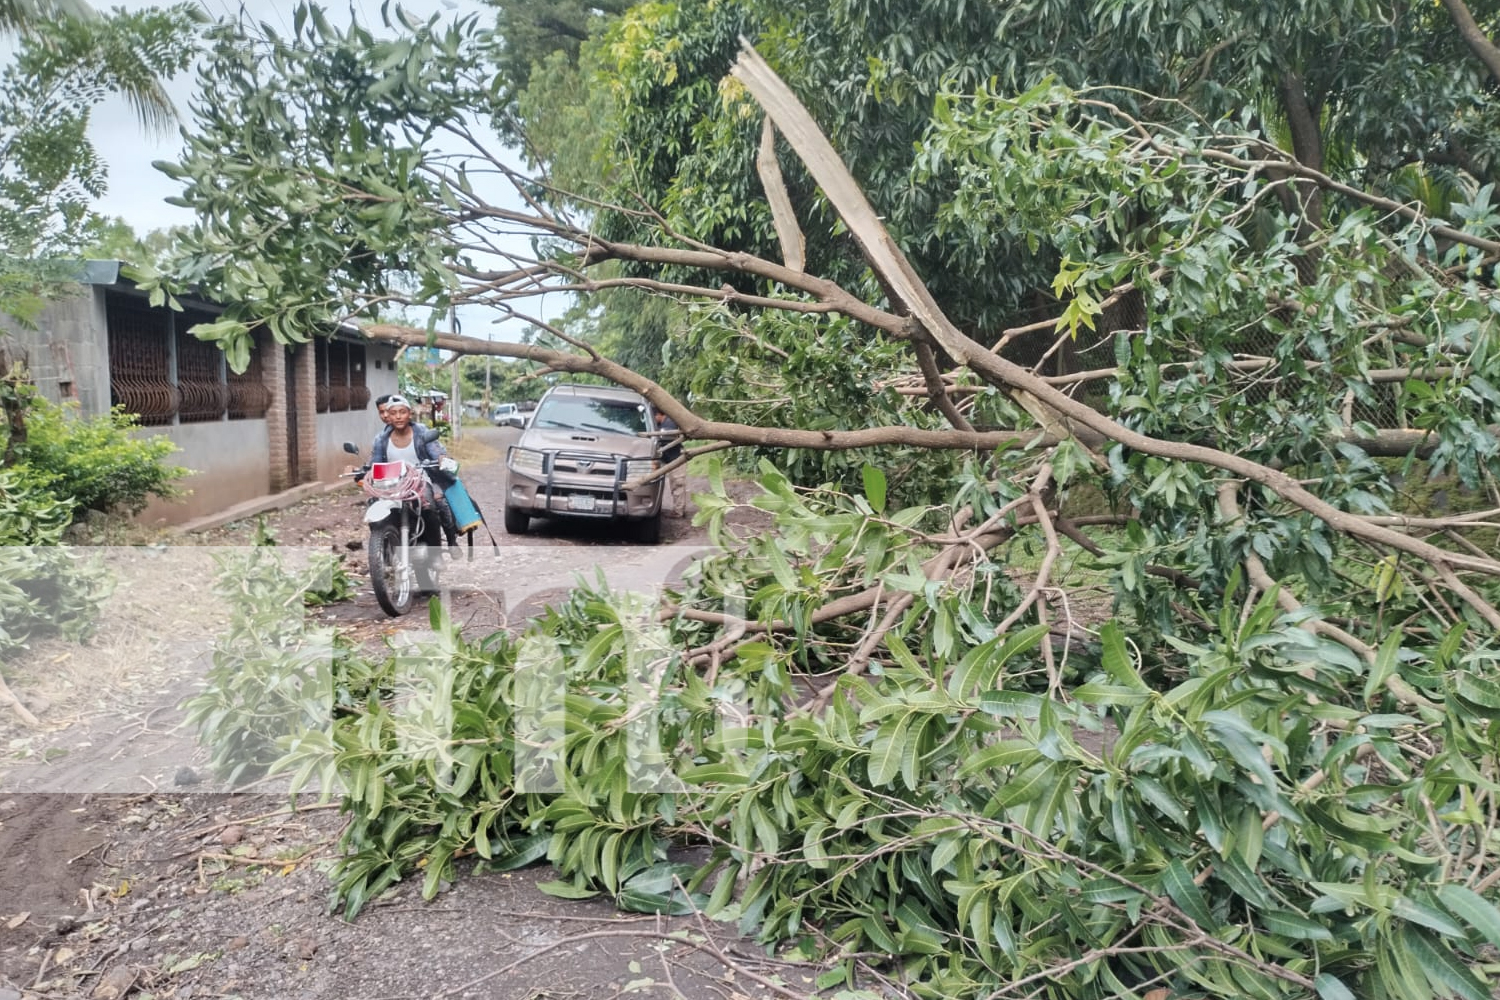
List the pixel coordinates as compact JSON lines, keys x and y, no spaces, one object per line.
{"x":7,"y":697}
{"x":881,"y":253}
{"x":793,"y":244}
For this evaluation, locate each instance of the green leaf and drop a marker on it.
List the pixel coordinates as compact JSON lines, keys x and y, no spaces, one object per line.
{"x":1003,"y":754}
{"x":1027,"y":785}
{"x":659,"y":889}
{"x":1179,"y":887}
{"x":1116,"y":659}
{"x":1419,"y":913}
{"x":1011,"y":704}
{"x":1330,"y":987}
{"x":1284,"y":923}
{"x":1111,"y":694}
{"x":1155,"y":793}
{"x":520,"y":852}
{"x":874,"y":480}
{"x":1473,"y":909}
{"x":1385,"y":664}
{"x":887,"y":750}
{"x":566,"y":890}
{"x":1441,"y":966}
{"x":1480,"y":693}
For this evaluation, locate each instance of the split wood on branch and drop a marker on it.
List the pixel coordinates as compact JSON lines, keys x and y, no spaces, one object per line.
{"x":882,"y":254}
{"x":925,"y":321}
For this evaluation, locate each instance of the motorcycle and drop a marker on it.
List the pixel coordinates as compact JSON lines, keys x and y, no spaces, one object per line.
{"x":406,"y":529}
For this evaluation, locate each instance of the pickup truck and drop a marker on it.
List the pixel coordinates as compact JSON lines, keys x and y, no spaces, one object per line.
{"x":583,"y":454}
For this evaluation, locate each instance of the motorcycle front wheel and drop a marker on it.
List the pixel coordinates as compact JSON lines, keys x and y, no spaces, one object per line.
{"x":391,"y":579}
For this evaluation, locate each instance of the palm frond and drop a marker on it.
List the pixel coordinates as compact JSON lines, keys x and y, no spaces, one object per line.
{"x":18,"y":16}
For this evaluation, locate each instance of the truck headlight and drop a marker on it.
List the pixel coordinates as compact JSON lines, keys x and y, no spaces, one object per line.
{"x":528,"y":462}
{"x":640,"y":468}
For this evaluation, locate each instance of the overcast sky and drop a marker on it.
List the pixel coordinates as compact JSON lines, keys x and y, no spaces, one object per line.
{"x":137,"y":192}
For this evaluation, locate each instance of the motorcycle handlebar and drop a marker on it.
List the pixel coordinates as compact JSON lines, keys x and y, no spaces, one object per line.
{"x":364,"y":470}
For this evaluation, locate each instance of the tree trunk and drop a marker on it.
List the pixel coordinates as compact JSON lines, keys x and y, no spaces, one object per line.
{"x":13,"y":404}
{"x":1307,"y":147}
{"x":1477,"y":41}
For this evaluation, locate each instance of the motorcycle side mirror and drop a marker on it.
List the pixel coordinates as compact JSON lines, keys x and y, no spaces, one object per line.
{"x":351,"y":447}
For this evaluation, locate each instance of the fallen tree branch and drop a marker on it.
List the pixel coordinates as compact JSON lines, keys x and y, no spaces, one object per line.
{"x":7,"y":697}
{"x":1263,"y":582}
{"x":882,"y":254}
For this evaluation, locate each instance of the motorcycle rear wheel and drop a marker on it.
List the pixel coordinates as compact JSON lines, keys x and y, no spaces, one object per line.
{"x":391,"y":580}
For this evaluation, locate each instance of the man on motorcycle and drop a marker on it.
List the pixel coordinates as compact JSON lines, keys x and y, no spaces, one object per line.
{"x":404,"y":440}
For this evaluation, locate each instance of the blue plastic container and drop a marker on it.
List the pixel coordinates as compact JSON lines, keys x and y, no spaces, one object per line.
{"x":465,"y":514}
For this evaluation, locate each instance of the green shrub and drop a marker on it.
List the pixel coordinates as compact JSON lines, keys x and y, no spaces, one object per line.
{"x":45,"y":588}
{"x":95,"y":462}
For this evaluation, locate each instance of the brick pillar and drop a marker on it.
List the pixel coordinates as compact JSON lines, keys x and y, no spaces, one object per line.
{"x":273,"y":372}
{"x":307,"y":411}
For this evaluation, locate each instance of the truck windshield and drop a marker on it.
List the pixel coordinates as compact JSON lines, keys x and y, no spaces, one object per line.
{"x":601,"y":415}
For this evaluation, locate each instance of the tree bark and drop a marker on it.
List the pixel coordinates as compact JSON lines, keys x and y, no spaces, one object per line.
{"x":1307,"y":147}
{"x":1477,"y":41}
{"x":13,"y":406}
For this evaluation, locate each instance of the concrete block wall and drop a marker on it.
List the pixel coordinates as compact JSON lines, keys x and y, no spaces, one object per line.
{"x":67,"y":351}
{"x":358,"y":426}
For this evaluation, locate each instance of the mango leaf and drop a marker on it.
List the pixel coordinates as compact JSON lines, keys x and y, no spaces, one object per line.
{"x":659,"y":889}
{"x":520,"y":852}
{"x":887,"y":750}
{"x":1330,"y":987}
{"x":874,"y":480}
{"x":566,"y":890}
{"x":1179,"y":887}
{"x":1116,"y":659}
{"x":1473,"y":909}
{"x":1441,"y":966}
{"x":1419,"y":913}
{"x":1286,"y":924}
{"x":1480,"y":694}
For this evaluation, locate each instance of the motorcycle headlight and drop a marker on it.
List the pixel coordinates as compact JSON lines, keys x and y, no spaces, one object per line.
{"x":528,"y":462}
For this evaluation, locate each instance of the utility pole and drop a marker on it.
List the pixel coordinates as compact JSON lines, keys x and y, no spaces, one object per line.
{"x":455,"y":404}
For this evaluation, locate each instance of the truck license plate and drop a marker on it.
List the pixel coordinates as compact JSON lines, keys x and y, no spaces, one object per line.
{"x":580,"y":501}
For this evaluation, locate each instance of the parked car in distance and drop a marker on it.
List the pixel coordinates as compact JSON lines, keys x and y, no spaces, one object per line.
{"x":582,"y":455}
{"x":511,"y":415}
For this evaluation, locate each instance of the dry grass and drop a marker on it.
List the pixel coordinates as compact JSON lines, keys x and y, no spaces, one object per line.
{"x":470,"y":449}
{"x":160,"y":618}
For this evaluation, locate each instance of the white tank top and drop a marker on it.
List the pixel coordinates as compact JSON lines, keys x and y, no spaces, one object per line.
{"x":407,"y":454}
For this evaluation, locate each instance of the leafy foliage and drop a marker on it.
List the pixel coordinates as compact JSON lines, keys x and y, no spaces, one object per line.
{"x":95,"y":463}
{"x":274,"y":672}
{"x":300,"y":124}
{"x":64,"y":66}
{"x":45,"y":588}
{"x":1245,"y":812}
{"x":1118,"y":665}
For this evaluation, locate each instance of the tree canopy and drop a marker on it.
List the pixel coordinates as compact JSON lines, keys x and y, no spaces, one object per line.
{"x":1098,"y":358}
{"x":68,"y":58}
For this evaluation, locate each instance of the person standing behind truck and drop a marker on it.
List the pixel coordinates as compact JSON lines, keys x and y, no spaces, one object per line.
{"x":676,"y":479}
